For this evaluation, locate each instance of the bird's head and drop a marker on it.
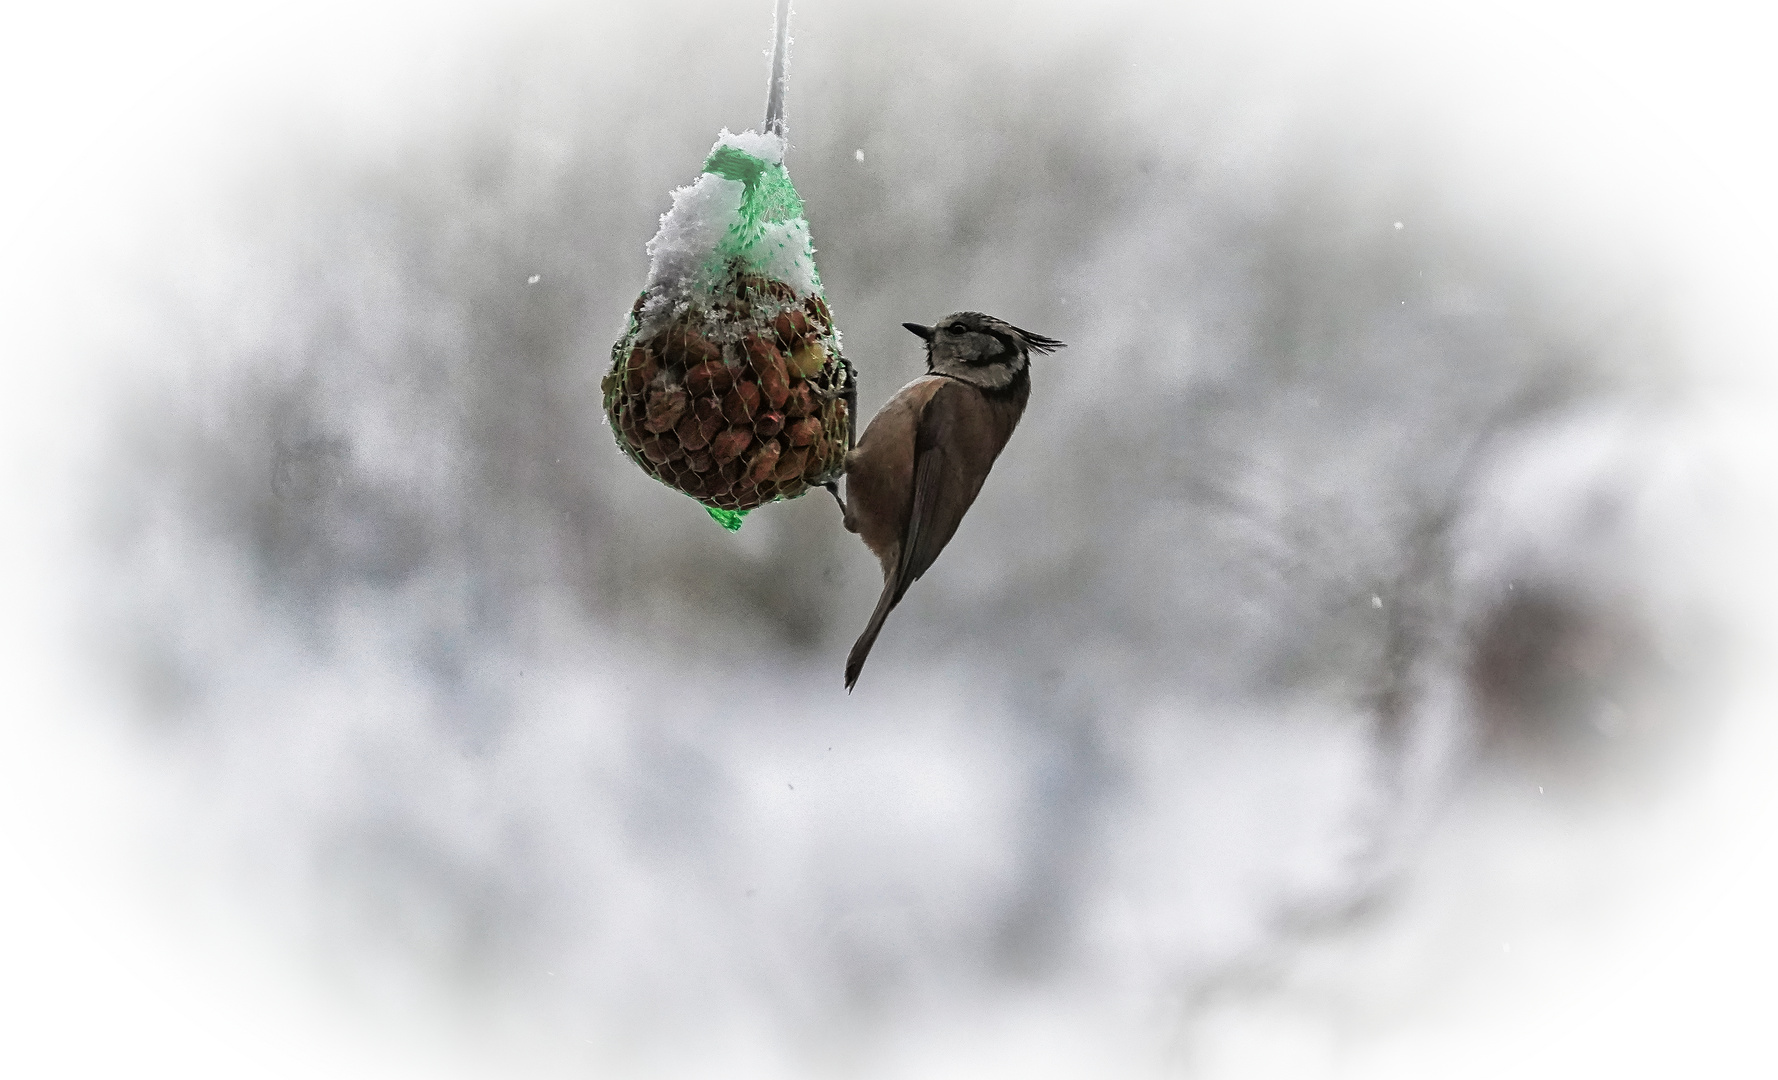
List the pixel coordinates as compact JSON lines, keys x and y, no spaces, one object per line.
{"x":980,"y":349}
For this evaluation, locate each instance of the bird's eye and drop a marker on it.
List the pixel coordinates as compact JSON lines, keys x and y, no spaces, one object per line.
{"x":954,"y":329}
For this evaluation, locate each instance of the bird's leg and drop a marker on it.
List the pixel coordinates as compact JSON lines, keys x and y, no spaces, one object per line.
{"x":851,"y":411}
{"x":847,"y":391}
{"x":850,"y":389}
{"x":846,"y":517}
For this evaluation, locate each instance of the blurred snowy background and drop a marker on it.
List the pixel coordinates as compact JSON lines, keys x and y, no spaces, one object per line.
{"x":1350,"y":670}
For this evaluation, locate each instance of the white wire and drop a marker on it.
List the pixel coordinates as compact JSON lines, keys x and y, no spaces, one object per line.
{"x":780,"y":61}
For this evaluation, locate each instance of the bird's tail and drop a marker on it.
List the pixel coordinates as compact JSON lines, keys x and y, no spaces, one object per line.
{"x":861,"y":648}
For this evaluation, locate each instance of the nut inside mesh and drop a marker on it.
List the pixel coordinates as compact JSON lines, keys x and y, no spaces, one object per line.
{"x":737,"y":403}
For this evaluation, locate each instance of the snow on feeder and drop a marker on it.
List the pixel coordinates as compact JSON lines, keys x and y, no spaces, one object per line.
{"x":728,"y":383}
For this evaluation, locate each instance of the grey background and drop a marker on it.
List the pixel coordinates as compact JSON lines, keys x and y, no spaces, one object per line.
{"x":1319,"y":527}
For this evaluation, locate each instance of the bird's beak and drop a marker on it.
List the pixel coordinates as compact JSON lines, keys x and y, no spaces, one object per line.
{"x":924,"y":332}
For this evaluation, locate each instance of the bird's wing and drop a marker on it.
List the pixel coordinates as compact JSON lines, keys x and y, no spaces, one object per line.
{"x":945,"y":484}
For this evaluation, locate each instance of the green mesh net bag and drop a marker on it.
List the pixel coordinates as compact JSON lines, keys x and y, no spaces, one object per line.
{"x":728,"y":383}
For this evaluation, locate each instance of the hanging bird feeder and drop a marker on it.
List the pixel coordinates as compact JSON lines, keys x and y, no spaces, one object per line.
{"x":728,"y":384}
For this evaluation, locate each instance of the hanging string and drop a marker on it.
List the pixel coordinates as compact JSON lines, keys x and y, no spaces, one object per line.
{"x":780,"y":59}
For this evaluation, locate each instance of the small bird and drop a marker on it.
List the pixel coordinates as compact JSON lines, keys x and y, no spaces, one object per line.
{"x":922,"y":460}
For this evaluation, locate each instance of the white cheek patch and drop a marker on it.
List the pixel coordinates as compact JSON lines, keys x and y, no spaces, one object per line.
{"x":997,"y":376}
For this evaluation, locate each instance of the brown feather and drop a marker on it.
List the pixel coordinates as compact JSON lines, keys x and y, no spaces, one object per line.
{"x":958,"y":433}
